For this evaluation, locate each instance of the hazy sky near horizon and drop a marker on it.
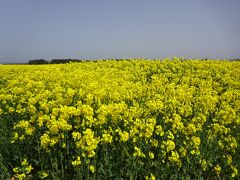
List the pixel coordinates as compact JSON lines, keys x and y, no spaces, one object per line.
{"x":94,"y":29}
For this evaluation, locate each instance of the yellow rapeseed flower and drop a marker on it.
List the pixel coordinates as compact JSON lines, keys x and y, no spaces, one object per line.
{"x":76,"y":162}
{"x":217,"y":169}
{"x":92,"y":168}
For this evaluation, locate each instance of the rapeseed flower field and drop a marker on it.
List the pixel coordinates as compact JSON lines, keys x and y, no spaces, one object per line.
{"x":129,"y":119}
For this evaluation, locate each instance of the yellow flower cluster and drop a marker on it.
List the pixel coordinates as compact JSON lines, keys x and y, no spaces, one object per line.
{"x":149,"y":117}
{"x":23,"y":171}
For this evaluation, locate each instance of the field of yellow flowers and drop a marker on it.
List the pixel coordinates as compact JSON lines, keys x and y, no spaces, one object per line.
{"x":129,"y":119}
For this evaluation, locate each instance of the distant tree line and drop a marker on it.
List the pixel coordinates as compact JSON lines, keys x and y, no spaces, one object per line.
{"x":64,"y":61}
{"x":236,"y":59}
{"x":38,"y":61}
{"x":53,"y":61}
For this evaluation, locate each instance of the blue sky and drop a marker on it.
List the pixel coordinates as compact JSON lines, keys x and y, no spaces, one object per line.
{"x":98,"y":29}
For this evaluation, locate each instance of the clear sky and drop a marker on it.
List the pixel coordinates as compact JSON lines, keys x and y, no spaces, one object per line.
{"x":95,"y":29}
